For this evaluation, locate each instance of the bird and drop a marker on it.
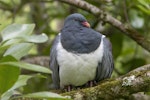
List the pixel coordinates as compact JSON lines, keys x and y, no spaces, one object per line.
{"x":79,"y":54}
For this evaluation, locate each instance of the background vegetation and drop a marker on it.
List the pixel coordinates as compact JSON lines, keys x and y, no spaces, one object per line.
{"x":48,"y":17}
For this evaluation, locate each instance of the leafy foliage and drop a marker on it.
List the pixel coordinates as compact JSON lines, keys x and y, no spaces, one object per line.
{"x":16,"y":43}
{"x":46,"y":95}
{"x":8,"y":80}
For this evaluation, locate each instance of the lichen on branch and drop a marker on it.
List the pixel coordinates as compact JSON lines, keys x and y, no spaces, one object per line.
{"x":122,"y":87}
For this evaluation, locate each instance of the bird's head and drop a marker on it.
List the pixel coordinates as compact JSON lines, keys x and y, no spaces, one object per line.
{"x":76,"y":19}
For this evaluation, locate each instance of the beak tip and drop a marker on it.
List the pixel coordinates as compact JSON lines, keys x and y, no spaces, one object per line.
{"x":86,"y":24}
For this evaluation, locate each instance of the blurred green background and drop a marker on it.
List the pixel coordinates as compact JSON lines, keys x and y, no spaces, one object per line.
{"x":49,"y":15}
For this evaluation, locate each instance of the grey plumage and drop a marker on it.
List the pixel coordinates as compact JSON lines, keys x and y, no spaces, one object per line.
{"x":76,"y":41}
{"x":54,"y":65}
{"x":74,"y":36}
{"x":105,"y":68}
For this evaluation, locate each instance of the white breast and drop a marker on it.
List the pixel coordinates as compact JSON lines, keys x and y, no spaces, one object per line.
{"x":77,"y":69}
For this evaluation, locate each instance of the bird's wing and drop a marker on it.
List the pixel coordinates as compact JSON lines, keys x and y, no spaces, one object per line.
{"x":54,"y":65}
{"x":105,"y":67}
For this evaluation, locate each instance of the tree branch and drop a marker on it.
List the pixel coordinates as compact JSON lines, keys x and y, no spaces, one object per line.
{"x":135,"y":81}
{"x":126,"y":29}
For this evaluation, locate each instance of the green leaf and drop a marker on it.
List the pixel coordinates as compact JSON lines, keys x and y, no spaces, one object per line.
{"x":32,"y":67}
{"x":8,"y":76}
{"x":7,"y":95}
{"x":36,"y":38}
{"x":17,"y":30}
{"x":144,"y":6}
{"x":22,"y":81}
{"x":19,"y":50}
{"x":145,"y":3}
{"x":47,"y":96}
{"x":7,"y":58}
{"x":143,"y":9}
{"x":10,"y":42}
{"x":5,"y":45}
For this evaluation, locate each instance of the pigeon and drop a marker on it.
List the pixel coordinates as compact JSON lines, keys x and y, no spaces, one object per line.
{"x":79,"y":54}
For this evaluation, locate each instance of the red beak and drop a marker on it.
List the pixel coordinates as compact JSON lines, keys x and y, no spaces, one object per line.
{"x":86,"y":24}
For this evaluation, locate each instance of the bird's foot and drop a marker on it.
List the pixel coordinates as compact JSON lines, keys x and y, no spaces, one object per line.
{"x":68,"y":88}
{"x":91,"y":84}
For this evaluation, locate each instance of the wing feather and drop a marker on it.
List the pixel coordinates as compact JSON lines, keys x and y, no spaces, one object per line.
{"x":105,"y":67}
{"x":54,"y":64}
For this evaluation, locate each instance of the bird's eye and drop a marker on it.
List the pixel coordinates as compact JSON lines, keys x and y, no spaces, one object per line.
{"x":75,"y":19}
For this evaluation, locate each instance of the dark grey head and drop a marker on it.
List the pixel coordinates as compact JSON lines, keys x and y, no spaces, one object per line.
{"x":76,"y":19}
{"x":76,"y":36}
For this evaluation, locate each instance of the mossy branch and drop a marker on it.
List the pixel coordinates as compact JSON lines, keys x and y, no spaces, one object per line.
{"x":135,"y":81}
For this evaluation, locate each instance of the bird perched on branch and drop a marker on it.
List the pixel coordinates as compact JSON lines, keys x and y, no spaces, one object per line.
{"x":79,"y":55}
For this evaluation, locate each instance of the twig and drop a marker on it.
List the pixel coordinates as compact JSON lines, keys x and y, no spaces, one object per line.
{"x":125,"y":11}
